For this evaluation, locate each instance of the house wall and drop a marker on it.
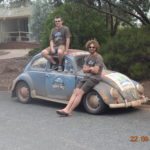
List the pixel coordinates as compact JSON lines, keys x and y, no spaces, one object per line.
{"x":3,"y":33}
{"x":14,"y":24}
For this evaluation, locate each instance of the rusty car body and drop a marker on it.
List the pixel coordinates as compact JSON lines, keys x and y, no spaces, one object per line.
{"x":39,"y":80}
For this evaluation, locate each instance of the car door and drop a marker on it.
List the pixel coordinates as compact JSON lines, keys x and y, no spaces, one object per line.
{"x":60,"y":85}
{"x":37,"y":74}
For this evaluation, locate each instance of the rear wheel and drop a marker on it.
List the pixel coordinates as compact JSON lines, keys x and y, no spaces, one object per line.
{"x":93,"y":103}
{"x":23,"y":92}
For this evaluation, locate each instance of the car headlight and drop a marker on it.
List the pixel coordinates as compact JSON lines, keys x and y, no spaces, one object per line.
{"x":140,"y":88}
{"x":114,"y":93}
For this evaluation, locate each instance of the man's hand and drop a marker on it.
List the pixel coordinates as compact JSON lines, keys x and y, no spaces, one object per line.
{"x":86,"y":69}
{"x":94,"y":69}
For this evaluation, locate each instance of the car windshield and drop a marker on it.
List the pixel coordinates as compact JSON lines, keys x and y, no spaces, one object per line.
{"x":39,"y":63}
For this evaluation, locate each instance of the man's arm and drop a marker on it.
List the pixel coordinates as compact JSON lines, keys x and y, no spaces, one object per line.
{"x":95,"y":69}
{"x":67,"y":43}
{"x":67,"y":35}
{"x":51,"y":45}
{"x":86,"y":69}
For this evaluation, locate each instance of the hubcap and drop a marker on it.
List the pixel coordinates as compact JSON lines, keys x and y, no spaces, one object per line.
{"x":23,"y":93}
{"x":93,"y":101}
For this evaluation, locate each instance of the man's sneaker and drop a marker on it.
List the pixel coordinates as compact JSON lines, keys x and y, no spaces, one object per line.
{"x":60,"y":69}
{"x":54,"y":66}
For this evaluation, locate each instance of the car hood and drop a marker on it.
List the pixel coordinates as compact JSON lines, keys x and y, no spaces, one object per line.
{"x":117,"y":79}
{"x":122,"y":83}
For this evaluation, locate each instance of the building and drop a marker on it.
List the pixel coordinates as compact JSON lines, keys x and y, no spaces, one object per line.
{"x":15,"y":25}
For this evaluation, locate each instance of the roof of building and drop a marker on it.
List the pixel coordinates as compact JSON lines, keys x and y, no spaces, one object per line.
{"x":8,"y":13}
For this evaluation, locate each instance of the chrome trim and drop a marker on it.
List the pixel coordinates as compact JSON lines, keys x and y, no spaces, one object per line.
{"x":129,"y":104}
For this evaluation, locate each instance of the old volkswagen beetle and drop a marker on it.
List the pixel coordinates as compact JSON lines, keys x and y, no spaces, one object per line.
{"x":38,"y":80}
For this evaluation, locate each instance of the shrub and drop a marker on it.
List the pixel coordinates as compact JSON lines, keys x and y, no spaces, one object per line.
{"x":129,"y":52}
{"x":84,"y":24}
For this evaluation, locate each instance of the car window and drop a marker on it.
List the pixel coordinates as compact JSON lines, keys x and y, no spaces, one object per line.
{"x":80,"y":62}
{"x":68,"y":67}
{"x":39,"y":63}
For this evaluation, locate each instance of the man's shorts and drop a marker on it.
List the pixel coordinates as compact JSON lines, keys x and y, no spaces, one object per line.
{"x":55,"y":49}
{"x":87,"y":84}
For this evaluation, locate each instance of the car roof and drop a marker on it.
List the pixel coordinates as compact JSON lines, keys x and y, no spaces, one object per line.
{"x":76,"y":52}
{"x":71,"y":52}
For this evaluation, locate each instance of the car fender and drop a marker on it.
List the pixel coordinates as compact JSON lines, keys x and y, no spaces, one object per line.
{"x":22,"y":77}
{"x":103,"y":89}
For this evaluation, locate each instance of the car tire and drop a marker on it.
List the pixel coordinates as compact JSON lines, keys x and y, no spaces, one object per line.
{"x":93,"y":103}
{"x":23,"y":92}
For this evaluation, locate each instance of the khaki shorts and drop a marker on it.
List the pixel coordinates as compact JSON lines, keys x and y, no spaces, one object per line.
{"x":48,"y":49}
{"x":87,"y":84}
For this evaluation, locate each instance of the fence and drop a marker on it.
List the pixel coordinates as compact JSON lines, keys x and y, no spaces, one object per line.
{"x":18,"y":36}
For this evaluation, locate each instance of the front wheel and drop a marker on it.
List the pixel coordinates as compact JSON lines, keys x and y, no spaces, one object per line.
{"x":23,"y":92}
{"x":93,"y":103}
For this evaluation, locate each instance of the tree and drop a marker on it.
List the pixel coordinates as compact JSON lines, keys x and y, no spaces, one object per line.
{"x":41,"y":10}
{"x":15,"y":3}
{"x":135,"y":8}
{"x":128,"y":52}
{"x":126,"y":11}
{"x":84,"y":24}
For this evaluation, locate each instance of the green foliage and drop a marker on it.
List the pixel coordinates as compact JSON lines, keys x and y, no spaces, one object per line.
{"x":41,"y":10}
{"x":83,"y":22}
{"x":124,"y":10}
{"x":129,"y":52}
{"x":139,"y":70}
{"x":14,"y":3}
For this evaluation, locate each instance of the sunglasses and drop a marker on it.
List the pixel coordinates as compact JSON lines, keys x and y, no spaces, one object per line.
{"x":58,"y":21}
{"x":92,"y":47}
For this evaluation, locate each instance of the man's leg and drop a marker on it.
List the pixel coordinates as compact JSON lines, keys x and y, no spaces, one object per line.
{"x":71,"y":101}
{"x":61,"y":50}
{"x":84,"y":87}
{"x":76,"y":100}
{"x":72,"y":98}
{"x":45,"y":53}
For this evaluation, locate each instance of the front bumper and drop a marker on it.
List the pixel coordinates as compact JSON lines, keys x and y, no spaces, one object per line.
{"x":130,"y":104}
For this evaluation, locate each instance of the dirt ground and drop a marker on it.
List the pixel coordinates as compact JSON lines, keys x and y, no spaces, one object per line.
{"x":10,"y":68}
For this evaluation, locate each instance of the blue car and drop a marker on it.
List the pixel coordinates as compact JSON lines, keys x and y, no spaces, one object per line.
{"x":40,"y":81}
